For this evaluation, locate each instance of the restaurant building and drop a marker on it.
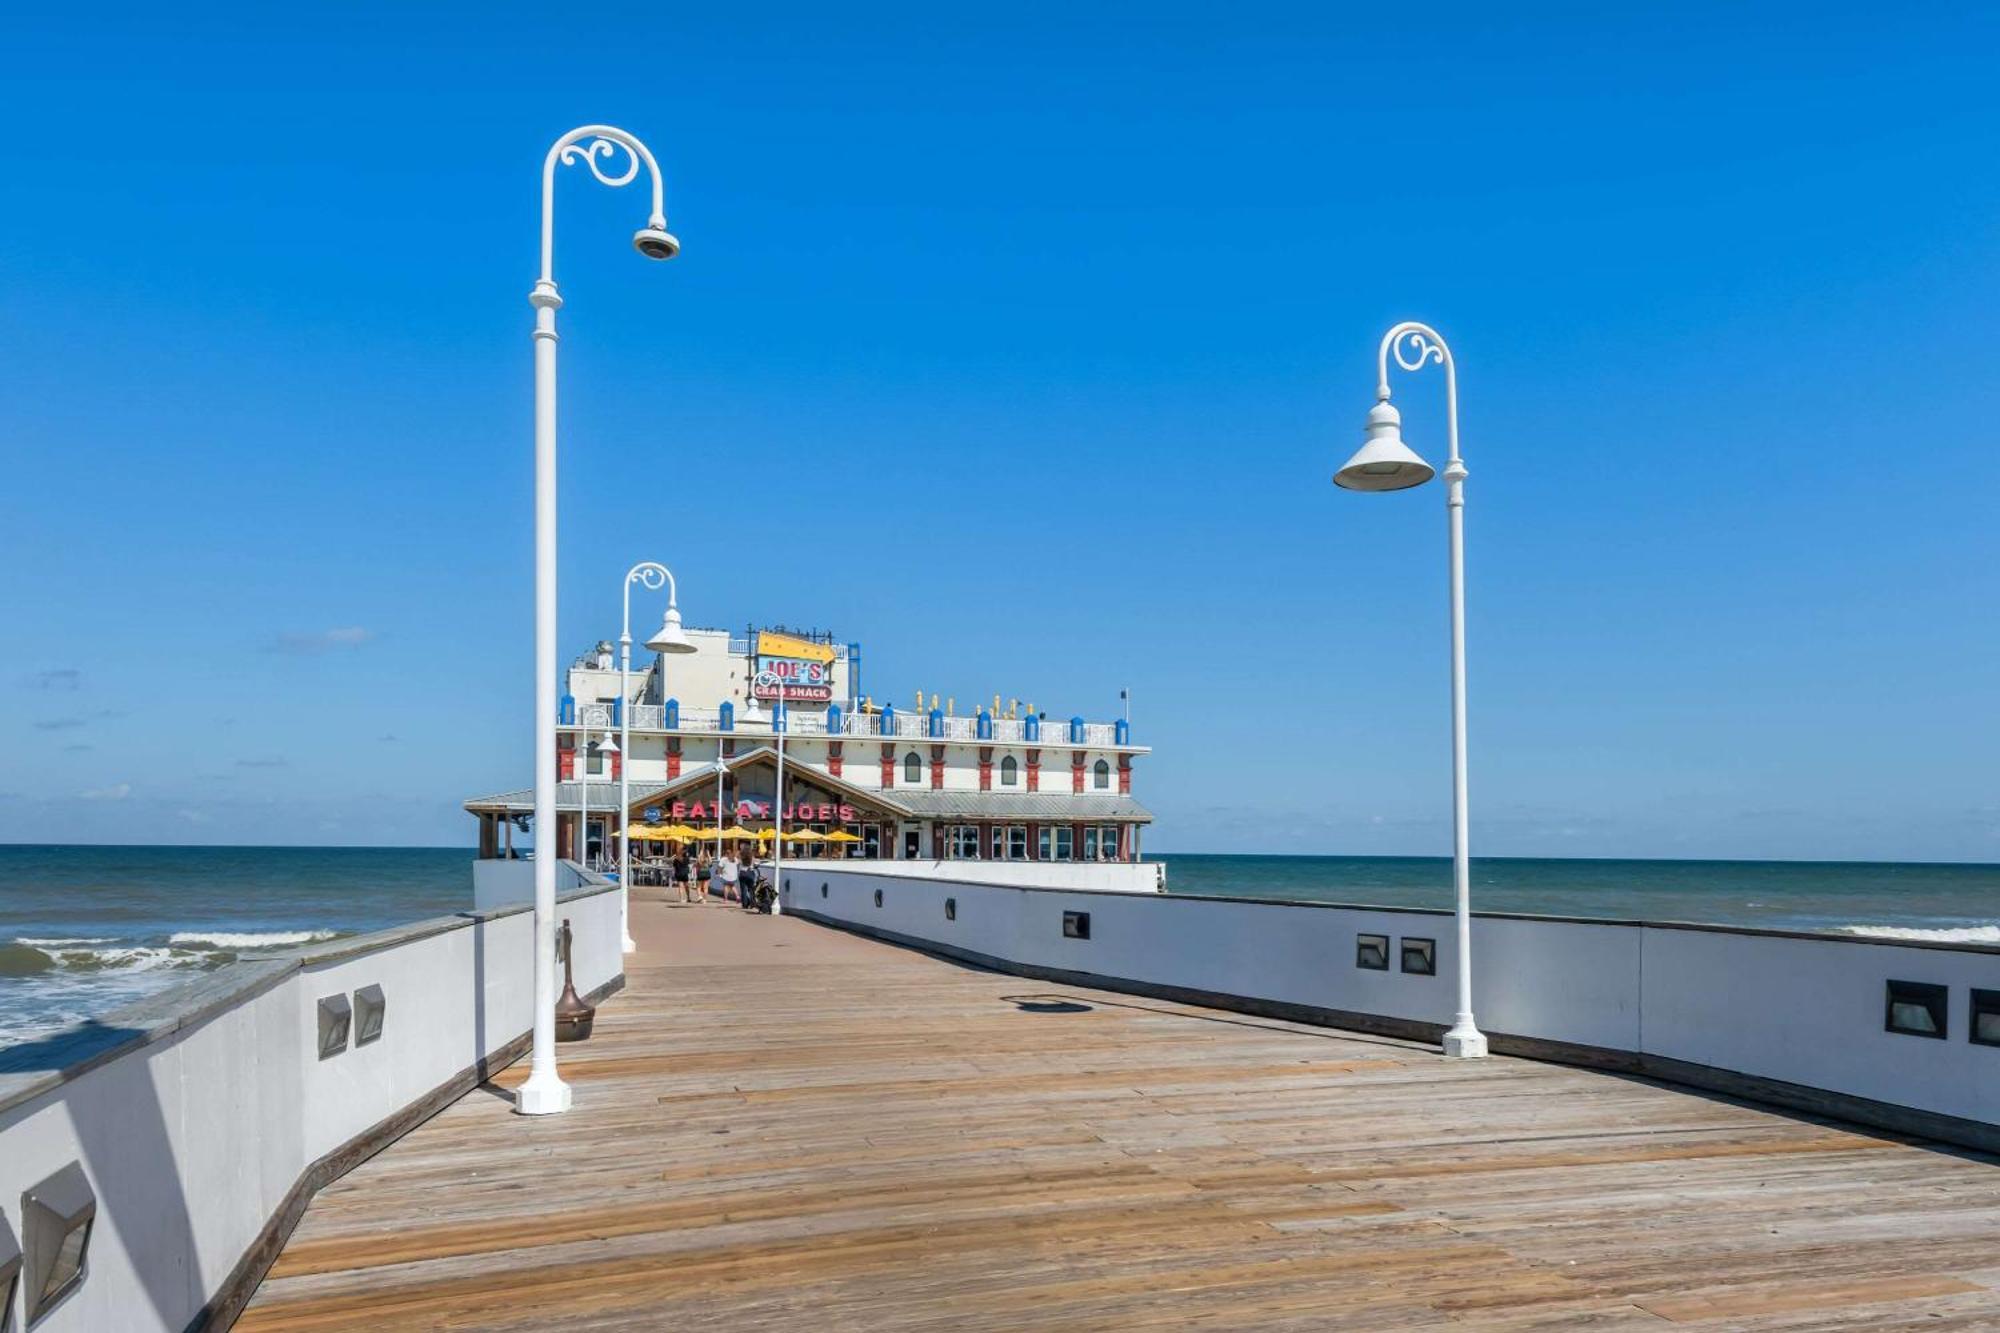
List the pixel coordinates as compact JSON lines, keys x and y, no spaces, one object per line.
{"x":929,"y":780}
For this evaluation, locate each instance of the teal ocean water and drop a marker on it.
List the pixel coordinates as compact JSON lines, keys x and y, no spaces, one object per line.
{"x":83,"y":929}
{"x":1915,"y":900}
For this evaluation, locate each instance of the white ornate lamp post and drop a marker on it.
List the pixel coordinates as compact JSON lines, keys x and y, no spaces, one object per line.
{"x":594,"y":716}
{"x":1385,"y":463}
{"x":669,"y":639}
{"x":545,"y":1093}
{"x":780,"y":721}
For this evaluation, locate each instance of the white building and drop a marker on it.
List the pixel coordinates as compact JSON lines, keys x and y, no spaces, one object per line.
{"x":995,"y":781}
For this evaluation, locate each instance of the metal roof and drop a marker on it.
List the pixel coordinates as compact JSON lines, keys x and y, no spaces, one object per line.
{"x":603,"y":796}
{"x":1054,"y":807}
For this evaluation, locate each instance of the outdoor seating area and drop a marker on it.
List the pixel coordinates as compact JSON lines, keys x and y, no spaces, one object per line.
{"x":655,"y":846}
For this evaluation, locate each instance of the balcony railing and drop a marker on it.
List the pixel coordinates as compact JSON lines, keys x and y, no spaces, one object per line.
{"x":865,"y":726}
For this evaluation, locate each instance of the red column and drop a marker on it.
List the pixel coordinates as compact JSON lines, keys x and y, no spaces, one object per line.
{"x":937,"y":768}
{"x":1124,"y":775}
{"x":565,"y":758}
{"x":1034,"y":770}
{"x":888,"y":767}
{"x":1034,"y":842}
{"x":834,"y":758}
{"x":673,"y":757}
{"x":617,"y":762}
{"x":1076,"y":771}
{"x":986,"y":768}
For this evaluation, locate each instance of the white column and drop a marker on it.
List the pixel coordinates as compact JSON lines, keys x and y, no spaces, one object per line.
{"x":545,"y":1093}
{"x":625,"y":778}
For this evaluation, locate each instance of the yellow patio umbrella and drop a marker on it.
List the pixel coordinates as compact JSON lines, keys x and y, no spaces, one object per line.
{"x":679,"y":832}
{"x":842,"y":835}
{"x":736,"y":831}
{"x":648,"y":833}
{"x":805,"y":835}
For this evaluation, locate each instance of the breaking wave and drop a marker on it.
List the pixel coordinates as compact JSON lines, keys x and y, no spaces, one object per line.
{"x":1930,"y":934}
{"x":249,"y":939}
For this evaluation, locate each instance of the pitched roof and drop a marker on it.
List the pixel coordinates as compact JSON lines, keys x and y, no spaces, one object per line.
{"x":1020,"y":807}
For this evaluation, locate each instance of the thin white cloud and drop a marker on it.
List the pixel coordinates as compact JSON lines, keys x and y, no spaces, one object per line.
{"x":118,"y":791}
{"x":322,"y":641}
{"x":66,"y":679}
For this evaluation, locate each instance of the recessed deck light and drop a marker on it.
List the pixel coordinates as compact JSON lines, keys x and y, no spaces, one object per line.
{"x":336,"y":1017}
{"x":1917,"y":1009}
{"x":57,"y":1216}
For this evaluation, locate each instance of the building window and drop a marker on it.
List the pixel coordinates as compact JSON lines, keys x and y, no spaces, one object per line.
{"x":594,"y":765}
{"x":1017,"y":842}
{"x":1107,"y":843}
{"x":1101,"y":775}
{"x":1065,"y":843}
{"x":913,"y":768}
{"x":1010,"y":771}
{"x":1090,"y":843}
{"x":1042,"y":852}
{"x":965,"y":841}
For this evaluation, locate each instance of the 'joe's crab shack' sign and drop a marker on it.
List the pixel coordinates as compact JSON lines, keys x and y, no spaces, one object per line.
{"x":798,"y":669}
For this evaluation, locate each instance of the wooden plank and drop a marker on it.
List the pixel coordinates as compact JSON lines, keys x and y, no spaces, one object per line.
{"x":780,"y":1126}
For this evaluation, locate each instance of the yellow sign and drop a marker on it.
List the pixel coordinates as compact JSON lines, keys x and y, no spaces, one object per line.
{"x":772,"y":644}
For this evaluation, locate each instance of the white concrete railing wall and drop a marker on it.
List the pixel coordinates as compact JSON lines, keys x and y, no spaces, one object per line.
{"x":1107,"y":876}
{"x":500,"y":882}
{"x":194,"y":1138}
{"x":1800,"y":1010}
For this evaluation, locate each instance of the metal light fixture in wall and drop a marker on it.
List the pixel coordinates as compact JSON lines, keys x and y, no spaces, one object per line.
{"x":10,"y":1274}
{"x":336,"y":1016}
{"x":951,"y":909}
{"x":370,"y":1008}
{"x":1076,"y":925}
{"x":1916,"y":1009}
{"x":878,"y":897}
{"x":57,"y":1216}
{"x":1419,"y":956}
{"x":822,"y":888}
{"x":1371,"y":952}
{"x":1985,"y":1025}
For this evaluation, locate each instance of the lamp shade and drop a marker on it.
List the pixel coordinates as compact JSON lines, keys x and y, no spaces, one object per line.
{"x":751,"y":712}
{"x":670,"y":639}
{"x":1384,"y":462}
{"x":609,"y":745}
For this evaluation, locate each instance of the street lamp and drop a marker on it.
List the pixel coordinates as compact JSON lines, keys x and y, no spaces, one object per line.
{"x":780,"y":723}
{"x":595,"y":715}
{"x":545,"y":1093}
{"x":669,"y":639}
{"x":1385,"y":463}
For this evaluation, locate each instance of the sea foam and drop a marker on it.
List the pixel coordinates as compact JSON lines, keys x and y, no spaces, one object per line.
{"x":248,"y":939}
{"x":1930,"y":934}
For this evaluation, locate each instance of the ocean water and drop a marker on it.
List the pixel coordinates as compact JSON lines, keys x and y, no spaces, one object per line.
{"x":83,"y":929}
{"x":1890,"y":899}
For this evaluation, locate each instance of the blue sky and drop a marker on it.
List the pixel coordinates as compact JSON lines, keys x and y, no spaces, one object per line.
{"x":1020,"y":348}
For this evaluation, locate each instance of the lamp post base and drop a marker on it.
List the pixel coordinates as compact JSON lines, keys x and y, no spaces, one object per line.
{"x":1465,"y":1042}
{"x":540,"y":1096}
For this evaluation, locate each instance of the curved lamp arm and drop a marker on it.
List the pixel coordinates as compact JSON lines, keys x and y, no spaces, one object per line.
{"x":1416,"y":346}
{"x":605,"y":141}
{"x":652,"y":575}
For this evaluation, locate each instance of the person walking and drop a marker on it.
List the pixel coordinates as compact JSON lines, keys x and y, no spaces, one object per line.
{"x":683,"y":873}
{"x":731,"y":874}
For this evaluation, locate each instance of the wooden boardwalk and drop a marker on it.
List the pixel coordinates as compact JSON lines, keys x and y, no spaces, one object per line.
{"x":778,"y":1126}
